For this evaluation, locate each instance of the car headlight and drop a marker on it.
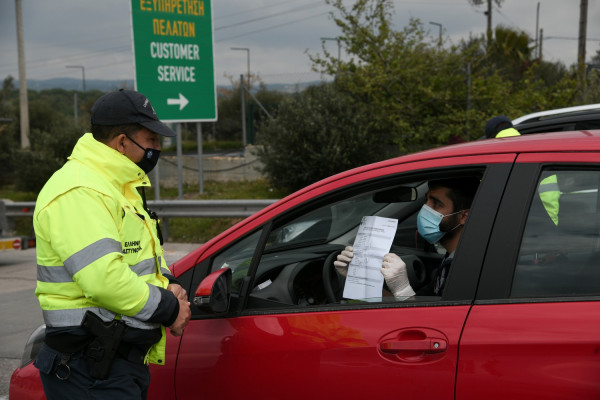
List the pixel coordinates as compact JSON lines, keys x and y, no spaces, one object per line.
{"x":33,"y":345}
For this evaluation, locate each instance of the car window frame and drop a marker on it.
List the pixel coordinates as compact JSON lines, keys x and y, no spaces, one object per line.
{"x":506,"y":237}
{"x":458,"y":290}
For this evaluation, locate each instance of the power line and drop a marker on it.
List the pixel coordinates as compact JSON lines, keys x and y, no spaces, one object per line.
{"x":271,"y":27}
{"x":293,"y":10}
{"x":254,"y":9}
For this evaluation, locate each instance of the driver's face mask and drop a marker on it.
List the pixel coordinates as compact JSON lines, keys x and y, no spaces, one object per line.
{"x":428,"y":224}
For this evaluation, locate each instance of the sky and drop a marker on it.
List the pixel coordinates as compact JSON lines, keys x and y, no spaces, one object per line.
{"x":279,"y":34}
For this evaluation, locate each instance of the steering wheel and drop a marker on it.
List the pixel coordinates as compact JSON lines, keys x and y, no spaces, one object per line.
{"x":334,"y":282}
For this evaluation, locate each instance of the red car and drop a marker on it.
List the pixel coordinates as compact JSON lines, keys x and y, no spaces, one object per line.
{"x":516,"y":320}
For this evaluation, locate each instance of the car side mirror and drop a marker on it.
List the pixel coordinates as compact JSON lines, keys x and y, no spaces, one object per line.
{"x":213,"y":293}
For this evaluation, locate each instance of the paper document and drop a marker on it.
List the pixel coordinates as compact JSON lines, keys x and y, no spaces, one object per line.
{"x":373,"y":241}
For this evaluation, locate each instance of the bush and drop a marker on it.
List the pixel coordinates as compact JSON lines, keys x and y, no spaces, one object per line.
{"x":49,"y":151}
{"x":318,"y":133}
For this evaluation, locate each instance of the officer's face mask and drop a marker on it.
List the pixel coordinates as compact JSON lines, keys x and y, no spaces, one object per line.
{"x":428,"y":224}
{"x":150,"y":159}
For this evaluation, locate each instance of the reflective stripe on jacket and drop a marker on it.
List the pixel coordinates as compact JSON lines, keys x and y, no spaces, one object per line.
{"x":96,"y":247}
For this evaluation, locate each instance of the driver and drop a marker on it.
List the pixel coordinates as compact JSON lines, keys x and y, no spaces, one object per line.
{"x":441,"y":219}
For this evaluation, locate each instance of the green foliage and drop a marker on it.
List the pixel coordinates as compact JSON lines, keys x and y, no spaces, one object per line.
{"x":9,"y":132}
{"x":213,"y":190}
{"x":318,"y":133}
{"x":52,"y":138}
{"x":423,"y":94}
{"x":49,"y":151}
{"x":199,"y":230}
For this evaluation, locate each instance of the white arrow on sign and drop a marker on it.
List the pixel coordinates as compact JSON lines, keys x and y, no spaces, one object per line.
{"x":182,"y":101}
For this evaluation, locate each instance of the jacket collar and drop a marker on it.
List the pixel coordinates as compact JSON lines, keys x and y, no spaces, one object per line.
{"x":114,"y":166}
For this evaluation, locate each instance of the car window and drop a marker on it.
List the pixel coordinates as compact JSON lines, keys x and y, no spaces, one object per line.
{"x":296,"y":264}
{"x":237,"y":257}
{"x":561,"y":241}
{"x":325,"y":223}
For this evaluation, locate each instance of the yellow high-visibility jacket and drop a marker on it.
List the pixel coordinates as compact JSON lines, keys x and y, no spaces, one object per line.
{"x":97,"y":248}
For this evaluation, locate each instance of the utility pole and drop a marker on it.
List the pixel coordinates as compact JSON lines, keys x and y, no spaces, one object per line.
{"x":488,"y":13}
{"x":537,"y":27}
{"x":541,"y":43}
{"x":23,"y":102}
{"x":583,"y":7}
{"x":582,"y":31}
{"x":243,"y":94}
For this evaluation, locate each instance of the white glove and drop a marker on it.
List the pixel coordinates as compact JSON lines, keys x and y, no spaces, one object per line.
{"x":343,"y":259}
{"x":396,"y":277}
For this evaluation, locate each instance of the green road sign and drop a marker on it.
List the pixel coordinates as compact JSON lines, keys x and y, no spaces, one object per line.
{"x":174,"y":61}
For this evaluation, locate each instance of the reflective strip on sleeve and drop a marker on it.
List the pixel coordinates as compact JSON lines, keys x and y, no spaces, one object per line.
{"x":144,"y":267}
{"x":149,"y":308}
{"x":548,"y":187}
{"x":136,"y":323}
{"x":91,"y":253}
{"x":73,"y":317}
{"x":55,"y":274}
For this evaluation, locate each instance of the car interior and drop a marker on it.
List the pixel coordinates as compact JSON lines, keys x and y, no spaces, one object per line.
{"x":561,"y":259}
{"x":296,"y":266}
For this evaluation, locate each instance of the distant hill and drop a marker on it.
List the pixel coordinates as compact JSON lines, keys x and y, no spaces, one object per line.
{"x":108,"y":85}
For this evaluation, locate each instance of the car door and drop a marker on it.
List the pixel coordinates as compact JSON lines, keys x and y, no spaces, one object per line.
{"x":277,"y":344}
{"x":534,"y":331}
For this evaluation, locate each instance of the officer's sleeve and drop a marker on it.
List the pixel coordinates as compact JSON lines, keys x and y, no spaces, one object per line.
{"x":82,"y":227}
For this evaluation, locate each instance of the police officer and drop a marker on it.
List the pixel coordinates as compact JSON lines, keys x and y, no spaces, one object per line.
{"x":102,"y":282}
{"x":500,"y":126}
{"x":548,"y":190}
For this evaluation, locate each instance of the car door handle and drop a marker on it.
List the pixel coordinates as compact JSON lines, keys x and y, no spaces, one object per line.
{"x":427,"y":345}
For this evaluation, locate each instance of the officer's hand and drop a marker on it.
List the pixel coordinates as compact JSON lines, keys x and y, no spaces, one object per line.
{"x":396,"y":277}
{"x":182,"y":318}
{"x":343,"y":259}
{"x":178,"y":291}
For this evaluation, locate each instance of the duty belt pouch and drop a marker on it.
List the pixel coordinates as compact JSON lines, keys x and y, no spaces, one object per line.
{"x":101,"y":352}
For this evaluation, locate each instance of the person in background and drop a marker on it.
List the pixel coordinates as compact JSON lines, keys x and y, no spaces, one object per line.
{"x":499,"y":127}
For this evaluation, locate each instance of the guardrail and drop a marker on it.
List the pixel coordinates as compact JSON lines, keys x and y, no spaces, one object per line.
{"x":164,"y":208}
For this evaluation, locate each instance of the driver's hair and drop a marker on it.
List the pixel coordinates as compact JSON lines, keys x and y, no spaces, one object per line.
{"x":460,"y":190}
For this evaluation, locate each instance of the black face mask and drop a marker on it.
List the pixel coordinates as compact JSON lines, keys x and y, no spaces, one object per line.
{"x":150,"y":159}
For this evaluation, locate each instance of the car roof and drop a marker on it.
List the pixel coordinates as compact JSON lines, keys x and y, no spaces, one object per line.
{"x":559,"y":112}
{"x":577,"y":141}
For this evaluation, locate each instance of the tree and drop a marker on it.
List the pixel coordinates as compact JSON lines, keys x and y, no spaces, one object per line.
{"x":510,"y":52}
{"x":318,"y":133}
{"x":417,"y":91}
{"x":407,"y":82}
{"x":9,"y":133}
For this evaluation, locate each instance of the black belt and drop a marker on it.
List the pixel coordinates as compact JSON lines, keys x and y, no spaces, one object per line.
{"x":69,"y":343}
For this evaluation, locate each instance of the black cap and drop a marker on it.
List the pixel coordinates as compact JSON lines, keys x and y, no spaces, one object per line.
{"x":127,"y":107}
{"x":497,"y":124}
